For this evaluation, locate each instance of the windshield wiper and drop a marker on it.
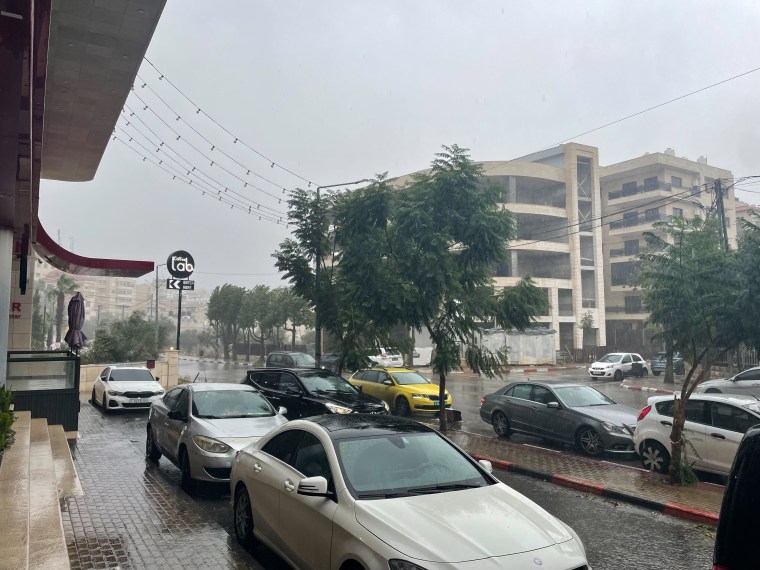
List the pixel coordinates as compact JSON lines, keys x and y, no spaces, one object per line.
{"x":207,"y":417}
{"x":443,"y":488}
{"x":379,"y":495}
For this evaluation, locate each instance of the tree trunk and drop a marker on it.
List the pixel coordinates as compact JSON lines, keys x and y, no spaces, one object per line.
{"x":442,"y":424}
{"x":293,"y":338}
{"x":669,"y":364}
{"x":676,"y":443}
{"x":59,"y":317}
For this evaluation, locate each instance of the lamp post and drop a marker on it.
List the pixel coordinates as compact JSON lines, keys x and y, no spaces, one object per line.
{"x":156,"y":303}
{"x":317,"y":272}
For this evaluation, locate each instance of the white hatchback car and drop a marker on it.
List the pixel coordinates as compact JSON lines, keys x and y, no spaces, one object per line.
{"x":126,"y":388}
{"x":714,"y":426}
{"x":617,"y":365}
{"x":367,"y":491}
{"x":387,"y":358}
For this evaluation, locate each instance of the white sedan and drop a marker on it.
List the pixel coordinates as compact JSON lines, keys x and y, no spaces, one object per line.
{"x":363,"y":492}
{"x":125,"y":388}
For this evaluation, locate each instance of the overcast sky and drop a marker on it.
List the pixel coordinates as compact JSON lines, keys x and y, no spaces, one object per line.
{"x":337,"y":91}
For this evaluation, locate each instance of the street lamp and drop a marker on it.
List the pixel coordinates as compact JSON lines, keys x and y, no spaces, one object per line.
{"x":317,"y":271}
{"x":156,"y":302}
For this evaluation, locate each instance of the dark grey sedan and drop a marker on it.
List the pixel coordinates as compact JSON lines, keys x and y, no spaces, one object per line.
{"x":570,"y":413}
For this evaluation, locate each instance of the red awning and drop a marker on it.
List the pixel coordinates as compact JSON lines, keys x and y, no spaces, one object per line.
{"x":70,"y":262}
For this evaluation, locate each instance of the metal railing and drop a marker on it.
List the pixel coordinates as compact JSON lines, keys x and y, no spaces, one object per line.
{"x":638,"y":220}
{"x":643,"y":189}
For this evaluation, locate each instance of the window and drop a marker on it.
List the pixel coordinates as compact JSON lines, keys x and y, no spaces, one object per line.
{"x":695,"y":410}
{"x":521,"y":391}
{"x":631,"y":247}
{"x":542,"y":395}
{"x":651,"y":183}
{"x":372,"y":376}
{"x":621,"y":273}
{"x":629,"y":188}
{"x":283,"y":446}
{"x":183,"y":402}
{"x":311,"y":458}
{"x":288,"y":383}
{"x":266,"y":379}
{"x":676,"y":182}
{"x":630,"y":219}
{"x":171,"y":397}
{"x":748,"y":375}
{"x":652,"y":214}
{"x":732,"y":418}
{"x":627,"y":359}
{"x":361,"y":375}
{"x":678,"y":212}
{"x":633,"y":305}
{"x":637,"y":358}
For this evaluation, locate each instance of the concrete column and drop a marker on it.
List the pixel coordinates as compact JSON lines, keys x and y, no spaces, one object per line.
{"x":6,"y":261}
{"x":512,"y":190}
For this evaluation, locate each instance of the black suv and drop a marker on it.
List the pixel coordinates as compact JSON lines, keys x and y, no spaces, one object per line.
{"x":290,"y":359}
{"x":311,"y":392}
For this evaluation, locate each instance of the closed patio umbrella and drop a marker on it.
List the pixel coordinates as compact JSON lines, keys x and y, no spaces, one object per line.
{"x":75,"y":338}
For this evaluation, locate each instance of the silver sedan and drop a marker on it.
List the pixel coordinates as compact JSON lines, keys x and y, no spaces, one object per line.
{"x":201,"y":427}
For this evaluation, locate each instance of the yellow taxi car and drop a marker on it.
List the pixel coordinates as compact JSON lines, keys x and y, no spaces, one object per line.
{"x":404,"y":390}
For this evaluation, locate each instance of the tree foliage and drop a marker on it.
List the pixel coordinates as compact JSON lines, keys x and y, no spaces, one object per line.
{"x":129,"y":340}
{"x":692,"y":289}
{"x":223,"y":314}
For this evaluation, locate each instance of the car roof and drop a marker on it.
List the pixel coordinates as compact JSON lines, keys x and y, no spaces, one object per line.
{"x":342,"y":426}
{"x":128,"y":368}
{"x":218,"y":387}
{"x":737,"y":399}
{"x":287,"y":352}
{"x":548,"y":384}
{"x":388,"y":369}
{"x":296,"y":371}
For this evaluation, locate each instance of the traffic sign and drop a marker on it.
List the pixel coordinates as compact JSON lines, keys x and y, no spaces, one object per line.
{"x":180,"y":264}
{"x":181,"y":284}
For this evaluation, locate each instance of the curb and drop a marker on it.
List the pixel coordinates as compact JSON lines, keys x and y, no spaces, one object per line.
{"x":543,"y":369}
{"x":694,"y":515}
{"x":646,"y":389}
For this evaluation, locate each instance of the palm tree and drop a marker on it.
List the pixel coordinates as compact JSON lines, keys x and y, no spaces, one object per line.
{"x":65,"y":286}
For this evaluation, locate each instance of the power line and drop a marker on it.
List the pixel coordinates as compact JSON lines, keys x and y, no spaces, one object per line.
{"x":237,"y":139}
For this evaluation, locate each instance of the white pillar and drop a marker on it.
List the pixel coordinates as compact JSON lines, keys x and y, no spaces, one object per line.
{"x":6,"y":261}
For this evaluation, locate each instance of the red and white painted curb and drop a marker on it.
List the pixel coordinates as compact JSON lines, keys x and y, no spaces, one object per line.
{"x":646,"y":389}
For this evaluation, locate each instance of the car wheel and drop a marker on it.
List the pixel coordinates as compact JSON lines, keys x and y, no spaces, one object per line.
{"x":93,"y":401}
{"x":712,"y":391}
{"x":151,"y":451}
{"x":188,"y":483}
{"x":243,"y":518}
{"x":589,"y":441}
{"x":654,"y":457}
{"x":656,"y":372}
{"x":644,"y":372}
{"x":500,"y":424}
{"x":402,"y":407}
{"x":104,"y":403}
{"x":618,"y":375}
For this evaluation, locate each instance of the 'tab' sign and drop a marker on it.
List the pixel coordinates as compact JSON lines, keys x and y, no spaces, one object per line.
{"x":180,"y":264}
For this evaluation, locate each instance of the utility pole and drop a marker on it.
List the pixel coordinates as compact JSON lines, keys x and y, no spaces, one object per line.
{"x":156,"y":303}
{"x":721,"y":212}
{"x":317,"y":273}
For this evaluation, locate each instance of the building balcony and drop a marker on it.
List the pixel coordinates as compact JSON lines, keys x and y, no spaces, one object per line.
{"x":660,"y":186}
{"x":617,"y":310}
{"x":639,"y":220}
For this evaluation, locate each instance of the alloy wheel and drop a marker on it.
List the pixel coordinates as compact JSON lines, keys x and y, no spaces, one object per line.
{"x":590,"y":441}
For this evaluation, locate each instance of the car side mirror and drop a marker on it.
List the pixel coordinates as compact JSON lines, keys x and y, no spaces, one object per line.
{"x":553,"y":405}
{"x":293,"y":391}
{"x":282,"y":410}
{"x":485,"y":464}
{"x":313,"y":487}
{"x":177,"y":415}
{"x":359,"y":388}
{"x":158,"y":379}
{"x":388,"y":382}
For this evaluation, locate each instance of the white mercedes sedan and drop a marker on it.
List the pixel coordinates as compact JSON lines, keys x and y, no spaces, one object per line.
{"x":361,"y":491}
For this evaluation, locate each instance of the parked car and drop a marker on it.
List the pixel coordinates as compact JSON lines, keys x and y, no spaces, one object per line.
{"x":386,"y":357}
{"x":310,"y":392}
{"x":569,"y":413}
{"x":714,"y":426}
{"x":125,"y":388}
{"x":747,"y":382}
{"x":290,"y":359}
{"x":738,"y":533}
{"x":329,"y":361}
{"x":404,"y":390}
{"x":364,"y":491}
{"x":660,"y":361}
{"x":618,"y":365}
{"x":200,"y":428}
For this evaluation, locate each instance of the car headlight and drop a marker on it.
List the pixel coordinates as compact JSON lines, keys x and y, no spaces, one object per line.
{"x":336,"y":409}
{"x":386,"y":406}
{"x":612,"y":428}
{"x":210,"y":445}
{"x":114,"y":393}
{"x":396,"y":564}
{"x":420,"y":396}
{"x":158,"y":393}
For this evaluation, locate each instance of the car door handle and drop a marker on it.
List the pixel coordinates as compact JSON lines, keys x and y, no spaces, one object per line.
{"x":257,"y":467}
{"x":666,"y":423}
{"x":288,"y":485}
{"x":718,"y":435}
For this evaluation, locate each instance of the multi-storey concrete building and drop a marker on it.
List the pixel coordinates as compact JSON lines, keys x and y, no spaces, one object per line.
{"x":635,"y":194}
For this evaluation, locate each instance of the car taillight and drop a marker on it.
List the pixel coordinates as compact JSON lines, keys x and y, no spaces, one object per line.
{"x":719,"y":567}
{"x":483,"y":400}
{"x":643,"y":413}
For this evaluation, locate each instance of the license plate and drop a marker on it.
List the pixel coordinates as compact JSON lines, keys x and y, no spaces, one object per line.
{"x":139,"y":400}
{"x":435,"y":404}
{"x":597,"y":373}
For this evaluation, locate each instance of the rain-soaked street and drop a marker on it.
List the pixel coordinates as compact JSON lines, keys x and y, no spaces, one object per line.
{"x":134,"y":514}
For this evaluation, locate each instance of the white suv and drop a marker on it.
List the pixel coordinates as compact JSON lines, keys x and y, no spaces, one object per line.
{"x":387,"y":358}
{"x":619,"y":364}
{"x":714,"y":426}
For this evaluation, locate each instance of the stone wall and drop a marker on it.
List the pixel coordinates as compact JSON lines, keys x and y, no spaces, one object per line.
{"x":166,"y":370}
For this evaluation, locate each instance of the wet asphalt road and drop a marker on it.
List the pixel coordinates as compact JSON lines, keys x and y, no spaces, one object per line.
{"x":617,"y":536}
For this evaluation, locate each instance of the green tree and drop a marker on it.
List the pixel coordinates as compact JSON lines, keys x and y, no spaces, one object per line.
{"x":423,"y":255}
{"x":255,"y":314}
{"x":292,"y":309}
{"x":38,"y":322}
{"x":692,"y":289}
{"x":64,"y":287}
{"x":129,"y":340}
{"x":223,"y":314}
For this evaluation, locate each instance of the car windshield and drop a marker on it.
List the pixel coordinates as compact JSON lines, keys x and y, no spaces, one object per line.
{"x":580,"y":396}
{"x":401,"y":465}
{"x":131,"y":375}
{"x":226,"y":404}
{"x":611,"y":358}
{"x":662,"y":356}
{"x":406,"y":378}
{"x":326,"y":382}
{"x":303,"y":359}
